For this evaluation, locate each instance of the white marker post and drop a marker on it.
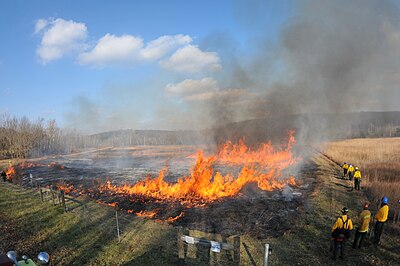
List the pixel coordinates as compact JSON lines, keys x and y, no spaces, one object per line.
{"x":266,"y":254}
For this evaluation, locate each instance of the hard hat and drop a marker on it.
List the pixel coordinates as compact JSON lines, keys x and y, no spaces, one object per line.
{"x":351,"y":165}
{"x":345,"y":210}
{"x":366,"y":205}
{"x":356,"y":167}
{"x":385,"y":200}
{"x":345,"y":163}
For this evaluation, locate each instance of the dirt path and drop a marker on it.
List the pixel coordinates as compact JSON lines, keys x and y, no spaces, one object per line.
{"x":309,"y":243}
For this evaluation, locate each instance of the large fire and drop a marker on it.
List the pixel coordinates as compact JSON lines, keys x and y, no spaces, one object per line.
{"x":262,"y":166}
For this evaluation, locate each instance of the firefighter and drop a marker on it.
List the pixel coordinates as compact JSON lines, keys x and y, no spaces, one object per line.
{"x":4,"y":175}
{"x":381,"y":218}
{"x":340,"y":233}
{"x":362,"y":228}
{"x":345,"y":168}
{"x":350,"y":172}
{"x":357,"y":179}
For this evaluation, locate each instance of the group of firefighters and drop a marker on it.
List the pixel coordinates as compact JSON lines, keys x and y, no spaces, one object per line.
{"x":352,"y":173}
{"x":343,"y":225}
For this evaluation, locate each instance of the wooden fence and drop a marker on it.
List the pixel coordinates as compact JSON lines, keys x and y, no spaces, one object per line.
{"x":58,"y":197}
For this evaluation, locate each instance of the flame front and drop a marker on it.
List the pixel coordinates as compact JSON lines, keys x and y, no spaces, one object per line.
{"x":262,"y":166}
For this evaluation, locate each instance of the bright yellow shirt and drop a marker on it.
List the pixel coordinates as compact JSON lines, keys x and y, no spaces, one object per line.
{"x":365,"y":218}
{"x":382,"y":214}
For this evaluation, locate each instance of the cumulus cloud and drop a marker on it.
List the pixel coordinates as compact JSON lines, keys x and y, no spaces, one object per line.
{"x":40,"y":25}
{"x":190,"y":87}
{"x":191,"y":59}
{"x":112,"y":49}
{"x":59,"y":37}
{"x":158,"y":48}
{"x":229,"y":94}
{"x":128,"y":49}
{"x":203,"y":90}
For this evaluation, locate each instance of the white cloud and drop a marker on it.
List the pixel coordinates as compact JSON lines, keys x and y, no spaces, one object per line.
{"x":158,"y":48}
{"x":223,"y":94}
{"x":112,"y":49}
{"x":128,"y":49}
{"x":190,"y":87}
{"x":203,"y":90}
{"x":191,"y":59}
{"x":40,"y":25}
{"x":60,"y":37}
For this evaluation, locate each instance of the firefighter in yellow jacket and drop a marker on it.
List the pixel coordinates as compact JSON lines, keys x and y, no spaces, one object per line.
{"x":381,"y":218}
{"x":350,"y":172}
{"x":341,"y":232}
{"x":357,"y":179}
{"x":345,"y":168}
{"x":362,"y":230}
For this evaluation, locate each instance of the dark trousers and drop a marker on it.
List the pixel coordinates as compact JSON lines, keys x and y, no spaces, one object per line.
{"x":378,"y":231}
{"x":358,"y":239}
{"x":351,"y":175}
{"x":339,"y":245}
{"x":357,"y":182}
{"x":344,"y":172}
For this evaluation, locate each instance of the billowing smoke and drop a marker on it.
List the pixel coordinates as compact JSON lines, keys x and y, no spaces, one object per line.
{"x":331,"y":57}
{"x":328,"y":57}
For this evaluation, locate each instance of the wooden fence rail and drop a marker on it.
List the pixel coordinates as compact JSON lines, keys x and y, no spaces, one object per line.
{"x":57,"y":197}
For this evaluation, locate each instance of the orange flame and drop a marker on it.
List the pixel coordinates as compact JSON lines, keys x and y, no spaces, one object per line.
{"x":148,"y":214}
{"x":203,"y":185}
{"x":10,"y":172}
{"x":173,"y":219}
{"x":67,"y":188}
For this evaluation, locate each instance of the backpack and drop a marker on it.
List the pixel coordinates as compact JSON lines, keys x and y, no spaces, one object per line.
{"x":341,"y":234}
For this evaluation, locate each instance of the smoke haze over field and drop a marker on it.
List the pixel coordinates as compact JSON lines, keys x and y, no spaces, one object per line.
{"x":331,"y":57}
{"x":327,"y":57}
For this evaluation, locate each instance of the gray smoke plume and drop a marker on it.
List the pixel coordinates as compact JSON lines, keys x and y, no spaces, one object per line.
{"x":332,"y":57}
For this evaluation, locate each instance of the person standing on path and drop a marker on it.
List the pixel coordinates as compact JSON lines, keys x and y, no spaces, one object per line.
{"x":357,"y":179}
{"x":345,"y":168}
{"x":340,"y":233}
{"x":381,"y":218}
{"x":350,"y":172}
{"x":362,"y":228}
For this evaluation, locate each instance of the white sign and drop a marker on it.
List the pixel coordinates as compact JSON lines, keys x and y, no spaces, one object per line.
{"x":189,"y":239}
{"x":215,"y":246}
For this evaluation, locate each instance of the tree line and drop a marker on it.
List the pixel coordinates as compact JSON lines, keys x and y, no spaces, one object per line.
{"x":22,"y":138}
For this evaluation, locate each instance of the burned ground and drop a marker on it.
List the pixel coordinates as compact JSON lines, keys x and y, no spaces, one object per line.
{"x":254,"y":211}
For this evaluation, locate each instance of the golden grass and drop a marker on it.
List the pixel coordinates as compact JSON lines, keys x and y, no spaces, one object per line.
{"x":379,"y":162}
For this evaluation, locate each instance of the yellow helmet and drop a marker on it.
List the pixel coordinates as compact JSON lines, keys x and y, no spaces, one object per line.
{"x":356,"y":167}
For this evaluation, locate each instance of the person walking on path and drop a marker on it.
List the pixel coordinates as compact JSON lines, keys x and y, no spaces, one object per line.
{"x":350,"y":172}
{"x":340,"y":233}
{"x":381,"y":218}
{"x":357,"y":179}
{"x":4,"y":175}
{"x":363,"y":226}
{"x":345,"y":168}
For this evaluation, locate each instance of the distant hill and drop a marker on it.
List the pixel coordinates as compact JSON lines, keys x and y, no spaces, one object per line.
{"x":274,"y":128}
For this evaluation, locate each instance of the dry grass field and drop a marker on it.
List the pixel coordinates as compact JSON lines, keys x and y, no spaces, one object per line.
{"x":379,"y":162}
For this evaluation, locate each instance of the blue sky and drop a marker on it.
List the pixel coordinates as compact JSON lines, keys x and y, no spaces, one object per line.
{"x":50,"y":68}
{"x":106,"y":65}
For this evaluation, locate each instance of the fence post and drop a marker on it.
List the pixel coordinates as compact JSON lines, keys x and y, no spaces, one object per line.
{"x":236,"y":250}
{"x":63,"y":200}
{"x":52,"y":195}
{"x":266,"y":254}
{"x":181,"y":245}
{"x":41,"y":194}
{"x":116,"y":218}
